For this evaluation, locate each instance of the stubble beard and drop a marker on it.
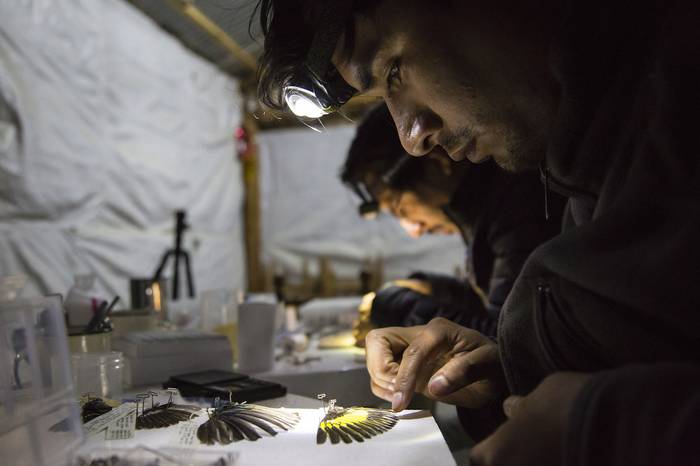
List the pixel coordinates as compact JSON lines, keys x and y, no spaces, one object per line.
{"x":522,"y":153}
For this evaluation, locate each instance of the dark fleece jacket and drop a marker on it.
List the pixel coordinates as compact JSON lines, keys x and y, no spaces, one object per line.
{"x":617,"y":287}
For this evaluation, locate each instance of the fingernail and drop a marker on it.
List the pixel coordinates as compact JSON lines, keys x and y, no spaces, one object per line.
{"x":397,"y":401}
{"x":439,"y":385}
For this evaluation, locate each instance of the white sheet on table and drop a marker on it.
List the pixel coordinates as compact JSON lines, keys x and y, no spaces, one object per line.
{"x":415,"y":440}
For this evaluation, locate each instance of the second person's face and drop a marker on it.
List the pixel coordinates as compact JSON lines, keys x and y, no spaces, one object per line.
{"x":416,"y":216}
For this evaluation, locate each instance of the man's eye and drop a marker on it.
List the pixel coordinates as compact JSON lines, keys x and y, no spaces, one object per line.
{"x":394,"y":76}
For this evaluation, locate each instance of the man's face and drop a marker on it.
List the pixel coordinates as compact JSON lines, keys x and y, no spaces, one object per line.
{"x":456,"y":78}
{"x":417,"y":216}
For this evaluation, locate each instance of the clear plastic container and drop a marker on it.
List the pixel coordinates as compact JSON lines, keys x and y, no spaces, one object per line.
{"x":39,"y":415}
{"x":99,"y":374}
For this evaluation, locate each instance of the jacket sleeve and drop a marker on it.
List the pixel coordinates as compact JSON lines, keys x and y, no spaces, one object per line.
{"x":460,"y":303}
{"x":446,"y":289}
{"x":644,"y":415}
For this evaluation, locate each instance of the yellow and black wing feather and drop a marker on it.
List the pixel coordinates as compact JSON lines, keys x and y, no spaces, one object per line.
{"x":358,"y":424}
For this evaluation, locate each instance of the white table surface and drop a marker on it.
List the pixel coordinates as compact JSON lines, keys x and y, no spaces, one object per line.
{"x":339,"y":373}
{"x":415,"y":440}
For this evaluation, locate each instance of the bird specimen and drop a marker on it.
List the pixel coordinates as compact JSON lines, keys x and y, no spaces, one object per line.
{"x":355,"y":423}
{"x":162,"y":415}
{"x":233,"y":422}
{"x":92,"y":408}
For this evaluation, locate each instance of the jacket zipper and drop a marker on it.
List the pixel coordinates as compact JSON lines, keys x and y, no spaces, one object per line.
{"x":587,"y":347}
{"x":558,"y":187}
{"x":542,"y":298}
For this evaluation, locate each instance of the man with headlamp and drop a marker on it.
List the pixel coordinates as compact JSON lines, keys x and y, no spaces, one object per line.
{"x":599,"y":96}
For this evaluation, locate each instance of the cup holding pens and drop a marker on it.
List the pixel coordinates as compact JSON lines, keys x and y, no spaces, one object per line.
{"x":80,"y":342}
{"x":95,"y":337}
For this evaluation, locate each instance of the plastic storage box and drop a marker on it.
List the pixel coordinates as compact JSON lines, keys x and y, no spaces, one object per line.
{"x":39,"y":416}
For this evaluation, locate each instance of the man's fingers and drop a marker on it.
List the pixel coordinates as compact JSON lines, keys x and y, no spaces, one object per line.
{"x":381,"y":392}
{"x":384,"y":373}
{"x":511,"y":405}
{"x":415,"y":361}
{"x":384,"y":347}
{"x":464,"y":369}
{"x":381,"y":363}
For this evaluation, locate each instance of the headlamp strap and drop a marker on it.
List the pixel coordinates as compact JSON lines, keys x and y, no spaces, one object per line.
{"x":331,"y":24}
{"x":361,"y":190}
{"x":390,"y":174}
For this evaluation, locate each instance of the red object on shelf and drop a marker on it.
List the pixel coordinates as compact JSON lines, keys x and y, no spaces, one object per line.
{"x":243,"y":145}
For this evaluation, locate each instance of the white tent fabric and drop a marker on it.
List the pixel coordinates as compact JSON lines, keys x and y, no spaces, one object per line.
{"x":107,"y":126}
{"x":307,"y":212}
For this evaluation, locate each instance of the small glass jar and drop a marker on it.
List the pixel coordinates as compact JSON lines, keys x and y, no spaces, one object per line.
{"x":99,"y":374}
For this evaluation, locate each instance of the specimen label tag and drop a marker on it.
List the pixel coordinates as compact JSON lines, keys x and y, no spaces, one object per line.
{"x":99,"y":424}
{"x":122,"y":428}
{"x":187,"y":433}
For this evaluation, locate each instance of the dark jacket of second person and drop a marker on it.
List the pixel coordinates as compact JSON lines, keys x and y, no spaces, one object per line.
{"x":501,"y":220}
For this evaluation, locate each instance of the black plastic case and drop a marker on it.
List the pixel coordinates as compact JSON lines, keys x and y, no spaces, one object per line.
{"x":216,"y":383}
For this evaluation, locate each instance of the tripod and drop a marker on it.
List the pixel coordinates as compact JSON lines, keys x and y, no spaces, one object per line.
{"x":177,"y":253}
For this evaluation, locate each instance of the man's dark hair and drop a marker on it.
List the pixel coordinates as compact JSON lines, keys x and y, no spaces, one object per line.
{"x":376,"y":151}
{"x":289,"y":27}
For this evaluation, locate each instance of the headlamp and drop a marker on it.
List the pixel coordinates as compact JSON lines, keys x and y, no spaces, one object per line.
{"x":317,"y":89}
{"x":369,"y":210}
{"x":303,"y":103}
{"x":369,"y":207}
{"x":311,"y":97}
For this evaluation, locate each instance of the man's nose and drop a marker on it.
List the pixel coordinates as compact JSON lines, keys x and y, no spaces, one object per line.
{"x":417,"y":128}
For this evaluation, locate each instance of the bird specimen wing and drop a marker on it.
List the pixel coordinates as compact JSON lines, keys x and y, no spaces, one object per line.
{"x":165,"y":415}
{"x":90,"y":408}
{"x":358,"y":424}
{"x":237,"y":421}
{"x":94,"y":407}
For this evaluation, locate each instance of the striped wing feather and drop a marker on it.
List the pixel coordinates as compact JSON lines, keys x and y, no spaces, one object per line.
{"x":235,"y":422}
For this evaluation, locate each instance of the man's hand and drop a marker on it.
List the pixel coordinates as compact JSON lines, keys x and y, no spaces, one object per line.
{"x":534,"y":432}
{"x":442,"y":360}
